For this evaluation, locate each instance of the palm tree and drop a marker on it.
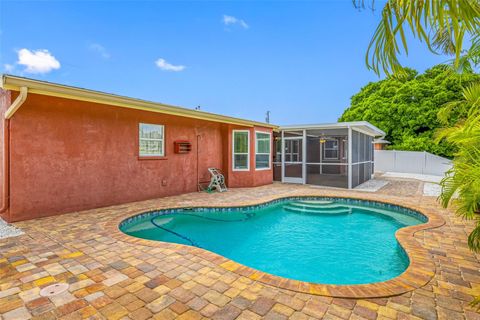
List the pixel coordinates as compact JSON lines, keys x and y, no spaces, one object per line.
{"x":443,"y":25}
{"x":463,"y":180}
{"x":450,"y":27}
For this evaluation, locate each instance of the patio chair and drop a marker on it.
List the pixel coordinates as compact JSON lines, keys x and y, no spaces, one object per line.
{"x":217,"y":181}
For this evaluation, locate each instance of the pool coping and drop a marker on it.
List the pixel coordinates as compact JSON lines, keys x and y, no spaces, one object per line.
{"x":419,"y":272}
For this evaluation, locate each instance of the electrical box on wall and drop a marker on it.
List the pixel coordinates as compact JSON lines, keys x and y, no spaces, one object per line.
{"x":182,"y":146}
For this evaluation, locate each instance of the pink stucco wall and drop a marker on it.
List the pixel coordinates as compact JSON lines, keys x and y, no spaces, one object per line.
{"x":69,"y":155}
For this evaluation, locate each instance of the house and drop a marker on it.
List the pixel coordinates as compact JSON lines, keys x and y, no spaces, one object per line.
{"x":66,"y":149}
{"x":380,"y":144}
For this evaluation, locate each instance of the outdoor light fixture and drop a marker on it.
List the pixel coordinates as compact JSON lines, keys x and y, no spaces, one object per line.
{"x":322,"y":139}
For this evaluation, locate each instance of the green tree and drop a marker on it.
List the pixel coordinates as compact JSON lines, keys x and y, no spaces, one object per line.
{"x":406,"y":107}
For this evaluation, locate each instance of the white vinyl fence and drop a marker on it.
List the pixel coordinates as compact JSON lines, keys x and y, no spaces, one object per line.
{"x":411,"y":162}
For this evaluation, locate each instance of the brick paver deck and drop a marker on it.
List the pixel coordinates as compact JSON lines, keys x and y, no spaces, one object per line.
{"x":116,"y":279}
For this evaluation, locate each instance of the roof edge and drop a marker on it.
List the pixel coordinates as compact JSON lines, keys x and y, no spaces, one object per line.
{"x":10,"y":82}
{"x":335,"y":125}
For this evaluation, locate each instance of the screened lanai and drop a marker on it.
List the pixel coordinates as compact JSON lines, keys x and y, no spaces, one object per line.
{"x":320,"y":154}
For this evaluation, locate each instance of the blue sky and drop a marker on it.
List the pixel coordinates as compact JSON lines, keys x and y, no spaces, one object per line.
{"x":300,"y":60}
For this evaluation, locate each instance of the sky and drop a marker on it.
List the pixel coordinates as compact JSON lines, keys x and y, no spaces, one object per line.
{"x":301,"y":60}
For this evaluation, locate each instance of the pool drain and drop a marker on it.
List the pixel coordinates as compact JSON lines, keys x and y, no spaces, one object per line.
{"x":54,"y":289}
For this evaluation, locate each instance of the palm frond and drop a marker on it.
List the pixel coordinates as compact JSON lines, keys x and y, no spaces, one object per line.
{"x":463,"y":180}
{"x":441,"y":24}
{"x":472,"y":94}
{"x":474,"y":239}
{"x":444,"y":43}
{"x":446,"y":112}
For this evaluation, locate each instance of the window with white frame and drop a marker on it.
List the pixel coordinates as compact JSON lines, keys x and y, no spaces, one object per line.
{"x":330,"y":149}
{"x":262,"y":150}
{"x":241,"y":150}
{"x":152,"y":143}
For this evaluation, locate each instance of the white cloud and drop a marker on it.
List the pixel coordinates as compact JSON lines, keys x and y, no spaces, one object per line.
{"x":164,"y":65}
{"x":231,"y":20}
{"x":37,"y":61}
{"x":8,"y":67}
{"x":101,"y":50}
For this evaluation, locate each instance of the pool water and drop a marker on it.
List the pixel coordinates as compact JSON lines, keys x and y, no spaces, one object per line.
{"x":321,"y":241}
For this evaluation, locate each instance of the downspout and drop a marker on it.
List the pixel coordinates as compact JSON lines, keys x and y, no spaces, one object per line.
{"x":6,"y":146}
{"x":198,"y":174}
{"x":17,"y":103}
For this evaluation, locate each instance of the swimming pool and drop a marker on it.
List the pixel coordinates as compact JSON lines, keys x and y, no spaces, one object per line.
{"x":321,"y":240}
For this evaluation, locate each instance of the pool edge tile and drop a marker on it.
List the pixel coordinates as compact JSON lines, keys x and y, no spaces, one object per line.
{"x":420,"y":271}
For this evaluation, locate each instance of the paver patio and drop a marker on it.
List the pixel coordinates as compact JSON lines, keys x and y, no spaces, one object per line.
{"x":115,"y":279}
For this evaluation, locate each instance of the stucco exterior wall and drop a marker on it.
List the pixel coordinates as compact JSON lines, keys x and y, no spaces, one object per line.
{"x":252,"y":177}
{"x":69,"y":155}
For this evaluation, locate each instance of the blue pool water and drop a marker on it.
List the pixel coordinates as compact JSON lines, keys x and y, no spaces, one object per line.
{"x":330,"y":241}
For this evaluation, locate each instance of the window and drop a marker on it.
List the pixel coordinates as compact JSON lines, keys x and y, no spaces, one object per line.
{"x":262,"y":150}
{"x":330,"y":149}
{"x":293,"y":149}
{"x":241,"y":147}
{"x":151,"y":140}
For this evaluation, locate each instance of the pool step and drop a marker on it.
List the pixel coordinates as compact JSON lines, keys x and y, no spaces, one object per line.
{"x":321,"y":202}
{"x":327,"y":211}
{"x":140,"y":227}
{"x":401,"y":218}
{"x":163,"y":221}
{"x":316,"y":206}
